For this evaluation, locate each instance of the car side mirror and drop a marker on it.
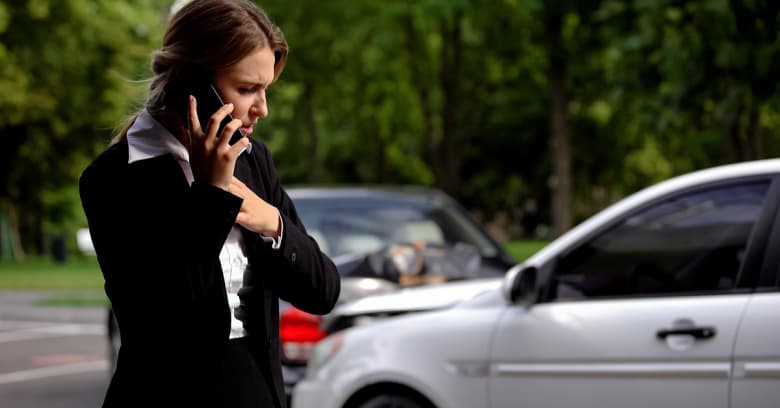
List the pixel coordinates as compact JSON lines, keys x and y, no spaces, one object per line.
{"x":520,"y":285}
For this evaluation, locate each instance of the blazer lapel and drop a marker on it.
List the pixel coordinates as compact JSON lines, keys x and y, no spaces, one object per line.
{"x":248,"y":172}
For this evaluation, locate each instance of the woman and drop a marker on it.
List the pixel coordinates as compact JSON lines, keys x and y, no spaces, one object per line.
{"x":196,"y":238}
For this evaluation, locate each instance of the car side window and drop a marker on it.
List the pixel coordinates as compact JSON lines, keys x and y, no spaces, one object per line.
{"x":690,"y":243}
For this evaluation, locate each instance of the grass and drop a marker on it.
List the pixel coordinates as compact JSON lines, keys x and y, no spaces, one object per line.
{"x":77,"y":282}
{"x":77,"y":273}
{"x":76,"y":300}
{"x":521,"y":250}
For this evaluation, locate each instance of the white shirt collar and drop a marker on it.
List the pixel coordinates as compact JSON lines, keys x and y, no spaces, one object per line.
{"x":147,"y":138}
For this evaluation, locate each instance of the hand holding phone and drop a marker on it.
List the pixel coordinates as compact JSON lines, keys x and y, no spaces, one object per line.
{"x":212,"y":158}
{"x":208,"y":102}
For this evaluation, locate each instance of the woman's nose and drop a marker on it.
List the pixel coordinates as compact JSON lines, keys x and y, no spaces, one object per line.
{"x":260,"y":107}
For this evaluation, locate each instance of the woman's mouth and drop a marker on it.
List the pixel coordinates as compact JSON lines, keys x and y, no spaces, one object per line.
{"x":246,"y":130}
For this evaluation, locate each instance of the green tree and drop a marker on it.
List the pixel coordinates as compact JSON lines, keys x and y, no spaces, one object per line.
{"x":694,"y":82}
{"x":64,"y":83}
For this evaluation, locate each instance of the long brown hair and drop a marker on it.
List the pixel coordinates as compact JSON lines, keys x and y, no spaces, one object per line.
{"x":203,"y":37}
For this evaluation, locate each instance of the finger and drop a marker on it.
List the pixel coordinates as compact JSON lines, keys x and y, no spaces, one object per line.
{"x":237,"y":188}
{"x":239,"y":146}
{"x":216,"y":119}
{"x":237,"y":183}
{"x":227,"y":132}
{"x":241,"y":218}
{"x":194,"y":121}
{"x":236,"y":192}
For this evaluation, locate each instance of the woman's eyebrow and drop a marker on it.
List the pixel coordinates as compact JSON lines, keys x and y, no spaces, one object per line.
{"x":253,"y":82}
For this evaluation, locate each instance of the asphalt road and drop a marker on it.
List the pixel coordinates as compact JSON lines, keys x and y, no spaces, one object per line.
{"x":50,"y":357}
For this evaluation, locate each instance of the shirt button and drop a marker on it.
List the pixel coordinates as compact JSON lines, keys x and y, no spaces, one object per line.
{"x":292,"y":257}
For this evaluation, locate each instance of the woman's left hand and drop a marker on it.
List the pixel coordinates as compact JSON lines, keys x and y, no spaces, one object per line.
{"x":255,"y":214}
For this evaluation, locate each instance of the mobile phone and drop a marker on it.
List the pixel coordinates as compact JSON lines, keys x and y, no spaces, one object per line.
{"x":208,"y":101}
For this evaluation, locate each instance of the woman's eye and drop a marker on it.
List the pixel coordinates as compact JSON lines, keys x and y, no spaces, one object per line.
{"x":244,"y":91}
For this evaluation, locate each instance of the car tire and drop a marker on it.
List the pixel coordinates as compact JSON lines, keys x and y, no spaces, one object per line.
{"x":392,"y":401}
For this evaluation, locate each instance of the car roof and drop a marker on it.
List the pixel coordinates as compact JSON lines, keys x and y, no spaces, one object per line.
{"x":682,"y":182}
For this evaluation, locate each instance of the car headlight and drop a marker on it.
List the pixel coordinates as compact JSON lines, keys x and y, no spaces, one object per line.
{"x":323,"y":352}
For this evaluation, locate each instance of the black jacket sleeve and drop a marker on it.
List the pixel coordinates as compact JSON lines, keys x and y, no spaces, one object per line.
{"x":298,"y":272}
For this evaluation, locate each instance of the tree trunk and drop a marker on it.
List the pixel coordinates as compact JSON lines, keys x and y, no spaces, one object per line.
{"x":11,"y":248}
{"x":447,"y":160}
{"x":559,"y":126}
{"x":730,"y":129}
{"x":314,"y":138}
{"x":380,"y":170}
{"x":755,"y":135}
{"x":561,"y":152}
{"x":742,"y":143}
{"x":441,"y":150}
{"x":418,"y":61}
{"x":16,"y":237}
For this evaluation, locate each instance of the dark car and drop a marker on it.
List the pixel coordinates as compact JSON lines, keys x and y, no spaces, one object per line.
{"x":381,"y":239}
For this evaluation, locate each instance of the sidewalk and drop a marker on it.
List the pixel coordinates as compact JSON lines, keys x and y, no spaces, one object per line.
{"x":25,"y":305}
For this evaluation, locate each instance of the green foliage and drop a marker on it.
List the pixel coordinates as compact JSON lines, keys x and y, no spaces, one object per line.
{"x":63,"y":86}
{"x":451,"y":93}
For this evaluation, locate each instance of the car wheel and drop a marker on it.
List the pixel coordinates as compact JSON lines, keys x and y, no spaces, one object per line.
{"x":392,"y":401}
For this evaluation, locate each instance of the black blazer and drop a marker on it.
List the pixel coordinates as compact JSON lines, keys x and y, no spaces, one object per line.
{"x":158,"y":241}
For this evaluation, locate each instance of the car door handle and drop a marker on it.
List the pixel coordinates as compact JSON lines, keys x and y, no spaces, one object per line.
{"x":696,"y":332}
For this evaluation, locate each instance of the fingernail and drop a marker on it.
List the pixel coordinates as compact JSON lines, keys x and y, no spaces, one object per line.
{"x":192,"y":98}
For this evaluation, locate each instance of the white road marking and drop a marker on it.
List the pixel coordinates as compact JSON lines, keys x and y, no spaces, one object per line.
{"x":18,"y":324}
{"x":64,"y":369}
{"x":17,"y":331}
{"x":20,"y":335}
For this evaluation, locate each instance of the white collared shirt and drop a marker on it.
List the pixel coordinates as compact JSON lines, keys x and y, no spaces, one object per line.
{"x":146,"y":139}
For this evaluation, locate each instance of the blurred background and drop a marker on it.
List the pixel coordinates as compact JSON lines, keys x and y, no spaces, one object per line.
{"x":532,"y":114}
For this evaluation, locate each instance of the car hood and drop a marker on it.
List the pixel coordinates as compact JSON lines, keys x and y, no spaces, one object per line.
{"x":427,"y":297}
{"x":423,"y":268}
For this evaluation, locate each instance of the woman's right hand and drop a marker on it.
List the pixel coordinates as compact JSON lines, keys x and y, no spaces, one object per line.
{"x":212,"y":158}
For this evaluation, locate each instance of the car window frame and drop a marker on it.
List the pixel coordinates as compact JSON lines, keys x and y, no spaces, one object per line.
{"x":760,"y":265}
{"x":756,"y":268}
{"x":767,"y":279}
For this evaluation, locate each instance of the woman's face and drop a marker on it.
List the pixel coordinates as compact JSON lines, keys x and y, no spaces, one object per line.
{"x":244,"y":85}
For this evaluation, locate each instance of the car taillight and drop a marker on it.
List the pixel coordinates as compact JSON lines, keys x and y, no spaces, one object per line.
{"x":299,"y":332}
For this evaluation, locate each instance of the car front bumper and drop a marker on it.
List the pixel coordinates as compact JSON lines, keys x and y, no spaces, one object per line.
{"x":313,"y":394}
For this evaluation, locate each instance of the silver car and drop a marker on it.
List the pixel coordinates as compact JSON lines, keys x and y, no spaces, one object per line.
{"x":668,"y":298}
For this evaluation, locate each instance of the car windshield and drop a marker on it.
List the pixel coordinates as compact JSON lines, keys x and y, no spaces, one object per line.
{"x":362,"y":224}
